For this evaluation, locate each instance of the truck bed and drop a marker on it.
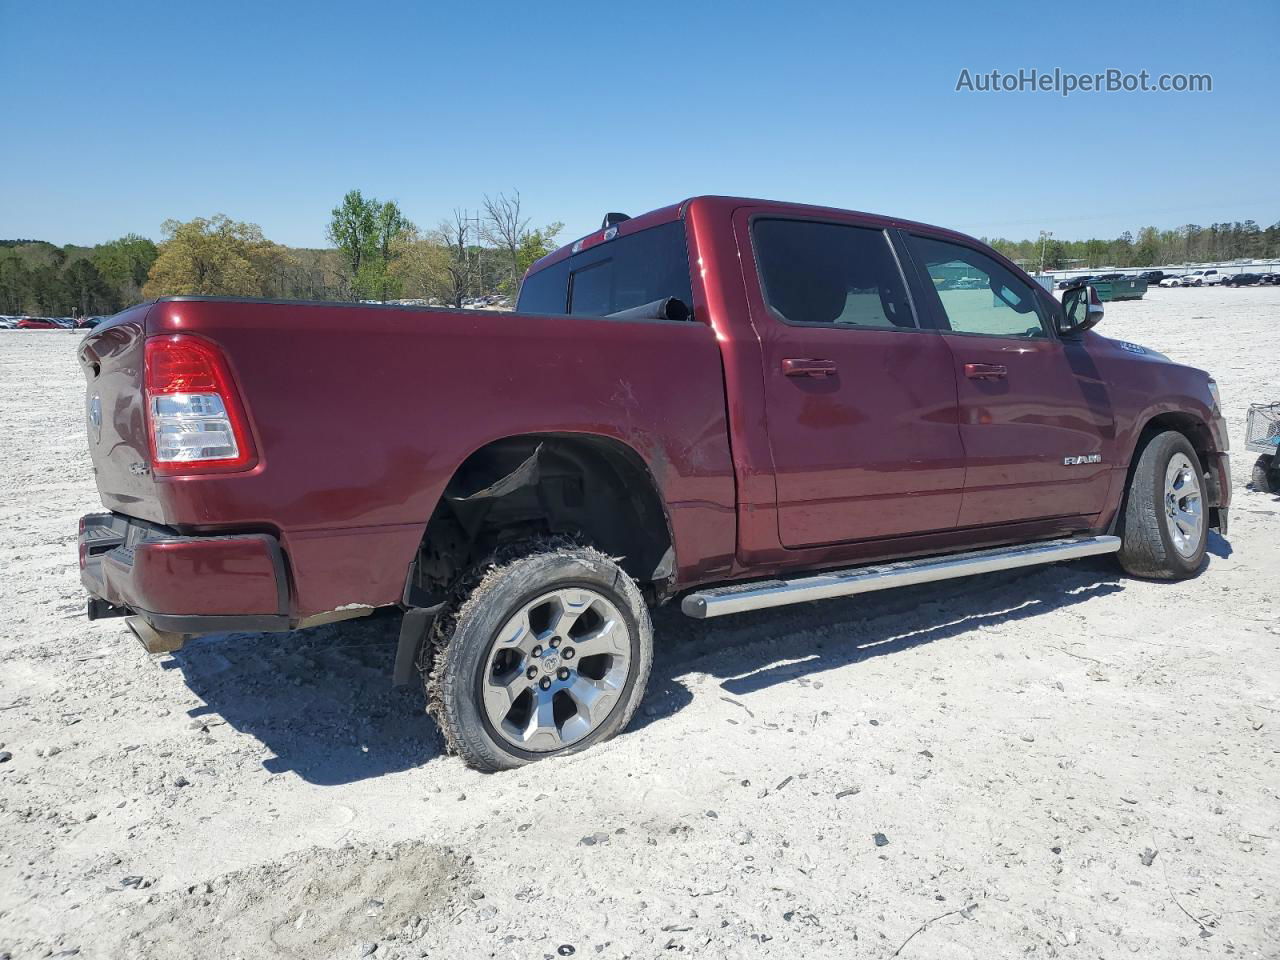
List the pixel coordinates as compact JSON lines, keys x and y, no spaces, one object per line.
{"x":357,"y":411}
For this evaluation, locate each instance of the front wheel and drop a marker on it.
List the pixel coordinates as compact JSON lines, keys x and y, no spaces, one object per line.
{"x":1165,"y":517}
{"x":545,"y":654}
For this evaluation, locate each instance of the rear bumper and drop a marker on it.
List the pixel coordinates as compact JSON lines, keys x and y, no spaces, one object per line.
{"x":180,"y":584}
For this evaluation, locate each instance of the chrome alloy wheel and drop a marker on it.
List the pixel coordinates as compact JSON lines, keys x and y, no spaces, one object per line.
{"x":1183,"y":505}
{"x":556,"y":669}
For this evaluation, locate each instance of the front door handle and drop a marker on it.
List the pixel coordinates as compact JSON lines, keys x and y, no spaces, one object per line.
{"x":795,"y":367}
{"x":986,"y":371}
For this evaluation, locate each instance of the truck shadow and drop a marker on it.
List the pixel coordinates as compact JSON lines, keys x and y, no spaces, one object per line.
{"x":321,"y":699}
{"x":749,"y":652}
{"x":1218,"y":545}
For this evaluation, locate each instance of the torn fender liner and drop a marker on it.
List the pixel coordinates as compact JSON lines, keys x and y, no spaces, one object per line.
{"x":525,"y":475}
{"x":413,"y":633}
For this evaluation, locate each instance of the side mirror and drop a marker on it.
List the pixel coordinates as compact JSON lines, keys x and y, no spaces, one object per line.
{"x":1081,"y":311}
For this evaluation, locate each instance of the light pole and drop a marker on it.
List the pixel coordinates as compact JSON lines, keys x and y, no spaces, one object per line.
{"x":1044,"y":240}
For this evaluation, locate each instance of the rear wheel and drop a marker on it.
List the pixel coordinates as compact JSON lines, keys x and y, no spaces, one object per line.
{"x":1165,"y":519}
{"x":545,"y":654}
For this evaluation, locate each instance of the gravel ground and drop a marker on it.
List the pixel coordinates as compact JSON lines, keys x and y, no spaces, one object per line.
{"x":1059,"y":762}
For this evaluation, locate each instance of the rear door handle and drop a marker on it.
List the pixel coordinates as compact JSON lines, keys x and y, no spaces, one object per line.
{"x":986,"y":371}
{"x":796,"y":367}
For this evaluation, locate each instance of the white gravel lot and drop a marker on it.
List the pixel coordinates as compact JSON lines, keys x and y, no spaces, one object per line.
{"x":1026,"y":744}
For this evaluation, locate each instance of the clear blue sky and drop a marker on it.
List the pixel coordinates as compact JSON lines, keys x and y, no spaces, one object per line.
{"x":117,"y":116}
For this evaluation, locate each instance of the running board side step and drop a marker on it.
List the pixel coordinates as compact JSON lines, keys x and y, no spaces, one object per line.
{"x":740,"y":597}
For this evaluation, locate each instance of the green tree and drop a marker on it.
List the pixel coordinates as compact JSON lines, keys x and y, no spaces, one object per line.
{"x":536,"y":245}
{"x":214,"y":257}
{"x":1271,"y":241}
{"x":15,"y":283}
{"x":1147,"y":250}
{"x":91,"y":294}
{"x":124,"y":264}
{"x":420,"y":266}
{"x":352,"y":227}
{"x":48,"y":291}
{"x":392,"y":226}
{"x":1055,"y":255}
{"x":365,"y":231}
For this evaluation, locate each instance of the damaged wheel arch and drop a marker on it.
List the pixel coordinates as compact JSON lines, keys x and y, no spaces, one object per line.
{"x":592,"y":488}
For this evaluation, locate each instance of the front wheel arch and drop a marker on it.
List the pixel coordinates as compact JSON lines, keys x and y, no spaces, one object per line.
{"x":1197,"y":433}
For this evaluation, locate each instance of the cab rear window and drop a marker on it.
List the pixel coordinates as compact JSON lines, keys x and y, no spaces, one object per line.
{"x":546,"y":291}
{"x":616,"y":275}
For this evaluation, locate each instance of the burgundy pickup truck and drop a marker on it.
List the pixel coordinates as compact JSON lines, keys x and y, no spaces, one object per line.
{"x":732,"y":402}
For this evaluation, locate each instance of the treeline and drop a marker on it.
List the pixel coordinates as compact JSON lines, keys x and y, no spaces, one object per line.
{"x":385,"y":256}
{"x":378,"y":254}
{"x":1152,"y":247}
{"x":42,"y":279}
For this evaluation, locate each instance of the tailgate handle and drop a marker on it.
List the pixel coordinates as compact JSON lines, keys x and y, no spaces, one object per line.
{"x":986,"y":371}
{"x":793,"y":367}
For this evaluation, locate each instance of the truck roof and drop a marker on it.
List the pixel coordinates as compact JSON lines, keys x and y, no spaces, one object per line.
{"x":677,"y":211}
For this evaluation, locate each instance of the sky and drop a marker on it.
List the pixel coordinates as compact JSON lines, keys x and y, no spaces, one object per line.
{"x":119,"y":116}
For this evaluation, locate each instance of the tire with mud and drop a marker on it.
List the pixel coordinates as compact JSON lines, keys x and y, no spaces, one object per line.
{"x":543,"y":651}
{"x":1164,"y":518}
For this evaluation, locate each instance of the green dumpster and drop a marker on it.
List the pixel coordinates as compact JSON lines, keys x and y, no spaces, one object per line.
{"x":1131,"y":289}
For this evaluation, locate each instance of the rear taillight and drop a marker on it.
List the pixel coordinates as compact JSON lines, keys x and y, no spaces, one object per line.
{"x":194,"y":414}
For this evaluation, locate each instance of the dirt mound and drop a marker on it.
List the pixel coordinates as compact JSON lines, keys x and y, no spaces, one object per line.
{"x":313,"y":903}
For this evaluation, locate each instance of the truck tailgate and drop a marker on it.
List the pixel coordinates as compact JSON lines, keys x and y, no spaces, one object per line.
{"x":111,"y":358}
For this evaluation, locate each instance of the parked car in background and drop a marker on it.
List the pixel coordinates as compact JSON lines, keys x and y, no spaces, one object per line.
{"x":85,"y":323}
{"x":1269,"y":278}
{"x":38,"y":323}
{"x":1152,"y":277}
{"x":1172,"y":281}
{"x":719,"y":403}
{"x":1202,"y":278}
{"x":1074,"y":282}
{"x":1241,"y":279}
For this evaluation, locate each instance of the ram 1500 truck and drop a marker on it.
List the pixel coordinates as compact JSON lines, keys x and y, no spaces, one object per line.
{"x":735,"y":403}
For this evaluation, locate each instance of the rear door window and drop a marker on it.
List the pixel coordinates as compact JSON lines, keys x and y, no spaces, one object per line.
{"x":829,"y":274}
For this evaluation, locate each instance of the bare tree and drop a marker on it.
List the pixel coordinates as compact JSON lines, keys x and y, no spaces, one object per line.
{"x":454,"y":233}
{"x":505,"y":228}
